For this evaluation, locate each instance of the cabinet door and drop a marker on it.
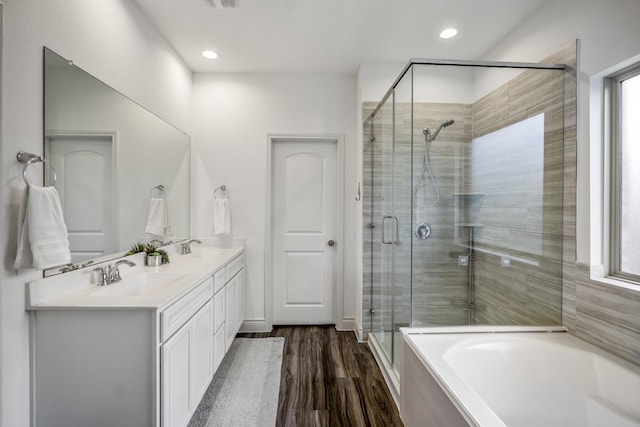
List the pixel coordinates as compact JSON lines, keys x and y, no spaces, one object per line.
{"x":175,"y":380}
{"x":239,"y":299}
{"x":230,"y":309}
{"x":219,"y":347}
{"x":218,"y":310}
{"x":201,"y":354}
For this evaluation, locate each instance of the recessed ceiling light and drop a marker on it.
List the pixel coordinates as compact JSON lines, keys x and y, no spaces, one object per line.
{"x":448,"y":33}
{"x":209,"y":54}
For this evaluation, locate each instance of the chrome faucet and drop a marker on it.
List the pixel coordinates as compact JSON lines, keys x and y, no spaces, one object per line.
{"x":111,"y":274}
{"x":114,"y":271}
{"x":104,"y":278}
{"x":185,"y":248}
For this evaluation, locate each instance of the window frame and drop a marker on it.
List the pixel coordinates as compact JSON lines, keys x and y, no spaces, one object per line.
{"x":613,"y":94}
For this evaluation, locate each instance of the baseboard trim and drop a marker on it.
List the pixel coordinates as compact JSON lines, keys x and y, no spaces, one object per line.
{"x":347,"y":324}
{"x":255,"y":325}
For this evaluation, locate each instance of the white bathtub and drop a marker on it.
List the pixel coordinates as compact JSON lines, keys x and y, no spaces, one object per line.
{"x":516,"y":377}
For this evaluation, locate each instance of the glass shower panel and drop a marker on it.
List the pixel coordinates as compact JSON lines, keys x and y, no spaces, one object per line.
{"x":402,"y":213}
{"x":442,"y":135}
{"x":383,"y":228}
{"x":488,"y":182}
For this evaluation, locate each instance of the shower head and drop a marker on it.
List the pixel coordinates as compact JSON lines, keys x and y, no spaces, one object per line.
{"x":429,"y":137}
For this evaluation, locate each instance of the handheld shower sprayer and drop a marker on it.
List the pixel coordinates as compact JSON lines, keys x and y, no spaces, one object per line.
{"x":429,"y":137}
{"x":426,"y":166}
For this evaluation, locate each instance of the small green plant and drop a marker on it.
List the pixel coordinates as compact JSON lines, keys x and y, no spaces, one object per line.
{"x":149,"y":249}
{"x":136,"y":248}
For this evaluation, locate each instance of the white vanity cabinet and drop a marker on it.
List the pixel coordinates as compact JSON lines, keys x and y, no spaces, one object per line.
{"x":142,"y":360}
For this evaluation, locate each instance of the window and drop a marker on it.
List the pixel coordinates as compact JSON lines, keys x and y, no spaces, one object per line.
{"x":624,"y":90}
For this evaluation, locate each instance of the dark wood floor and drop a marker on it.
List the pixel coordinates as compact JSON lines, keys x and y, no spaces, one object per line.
{"x":329,"y":379}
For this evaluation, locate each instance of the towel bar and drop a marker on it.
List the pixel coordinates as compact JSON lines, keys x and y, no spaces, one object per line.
{"x":222,"y":188}
{"x":160,"y":188}
{"x":28,"y":159}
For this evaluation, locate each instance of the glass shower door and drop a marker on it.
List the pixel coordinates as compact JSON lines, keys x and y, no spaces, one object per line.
{"x":384,"y":219}
{"x":395,"y":221}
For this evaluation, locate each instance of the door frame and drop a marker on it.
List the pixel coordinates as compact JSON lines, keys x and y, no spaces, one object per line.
{"x":338,"y":300}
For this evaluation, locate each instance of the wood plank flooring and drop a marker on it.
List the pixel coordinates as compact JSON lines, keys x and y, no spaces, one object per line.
{"x":329,"y":379}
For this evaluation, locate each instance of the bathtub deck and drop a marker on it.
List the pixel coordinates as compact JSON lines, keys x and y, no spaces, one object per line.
{"x":518,"y":377}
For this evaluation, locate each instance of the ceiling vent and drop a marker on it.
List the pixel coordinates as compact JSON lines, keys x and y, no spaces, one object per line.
{"x":222,"y":4}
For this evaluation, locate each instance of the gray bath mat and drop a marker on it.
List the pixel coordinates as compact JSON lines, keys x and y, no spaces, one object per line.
{"x":244,"y":391}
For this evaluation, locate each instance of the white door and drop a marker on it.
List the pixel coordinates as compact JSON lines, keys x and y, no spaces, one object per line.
{"x":84,"y":170}
{"x":304,"y":225}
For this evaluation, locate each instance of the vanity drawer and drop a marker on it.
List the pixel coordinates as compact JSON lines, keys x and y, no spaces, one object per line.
{"x":174,"y":317}
{"x":234,"y":266}
{"x":219,"y":279}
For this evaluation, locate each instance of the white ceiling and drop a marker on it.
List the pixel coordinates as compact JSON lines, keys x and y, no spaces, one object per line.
{"x":331,"y":35}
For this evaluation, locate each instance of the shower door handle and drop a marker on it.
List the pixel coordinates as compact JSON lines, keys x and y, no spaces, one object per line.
{"x":397,"y":221}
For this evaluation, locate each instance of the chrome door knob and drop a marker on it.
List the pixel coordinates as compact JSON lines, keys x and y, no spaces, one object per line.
{"x":331,"y":243}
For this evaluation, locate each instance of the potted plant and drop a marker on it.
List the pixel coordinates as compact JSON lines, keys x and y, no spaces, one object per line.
{"x":154,"y":256}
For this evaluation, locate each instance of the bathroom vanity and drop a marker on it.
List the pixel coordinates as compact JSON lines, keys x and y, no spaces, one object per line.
{"x":140,"y":352}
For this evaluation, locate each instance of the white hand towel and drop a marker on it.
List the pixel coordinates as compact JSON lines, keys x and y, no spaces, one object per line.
{"x":221,"y":216}
{"x":157,"y":219}
{"x":47,"y":232}
{"x":24,"y":259}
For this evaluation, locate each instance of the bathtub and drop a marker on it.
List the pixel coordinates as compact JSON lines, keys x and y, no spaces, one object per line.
{"x":505,"y":376}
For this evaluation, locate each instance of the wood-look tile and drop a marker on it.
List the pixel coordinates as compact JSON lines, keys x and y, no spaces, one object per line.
{"x":329,"y":379}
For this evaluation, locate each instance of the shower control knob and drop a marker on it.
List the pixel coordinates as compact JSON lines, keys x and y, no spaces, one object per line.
{"x":331,"y":243}
{"x":422,"y":231}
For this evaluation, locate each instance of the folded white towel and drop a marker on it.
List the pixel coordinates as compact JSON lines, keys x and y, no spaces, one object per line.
{"x":221,"y":216}
{"x":44,"y":228}
{"x":157,"y":220}
{"x":24,"y":259}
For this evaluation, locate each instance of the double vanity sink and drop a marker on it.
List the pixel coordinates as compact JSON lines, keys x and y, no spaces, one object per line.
{"x":140,"y":351}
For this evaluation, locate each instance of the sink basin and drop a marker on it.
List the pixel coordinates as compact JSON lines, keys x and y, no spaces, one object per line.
{"x":141,"y":284}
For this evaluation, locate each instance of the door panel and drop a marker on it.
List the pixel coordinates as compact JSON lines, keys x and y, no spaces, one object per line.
{"x":304,"y":213}
{"x":309,"y":267}
{"x":85,"y":183}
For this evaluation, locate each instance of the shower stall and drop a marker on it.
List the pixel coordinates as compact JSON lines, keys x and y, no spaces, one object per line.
{"x":463,"y":200}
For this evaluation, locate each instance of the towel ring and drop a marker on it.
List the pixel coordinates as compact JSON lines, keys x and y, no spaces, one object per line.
{"x":160,"y":188}
{"x":223,"y":189}
{"x":29,"y":159}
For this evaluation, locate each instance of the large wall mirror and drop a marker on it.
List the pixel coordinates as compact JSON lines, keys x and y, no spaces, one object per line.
{"x":115,"y":163}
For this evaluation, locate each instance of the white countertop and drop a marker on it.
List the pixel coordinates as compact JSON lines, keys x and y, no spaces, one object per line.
{"x":77,"y":289}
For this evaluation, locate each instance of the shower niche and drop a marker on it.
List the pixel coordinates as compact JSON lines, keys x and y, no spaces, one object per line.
{"x":463,"y":167}
{"x":466,"y":206}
